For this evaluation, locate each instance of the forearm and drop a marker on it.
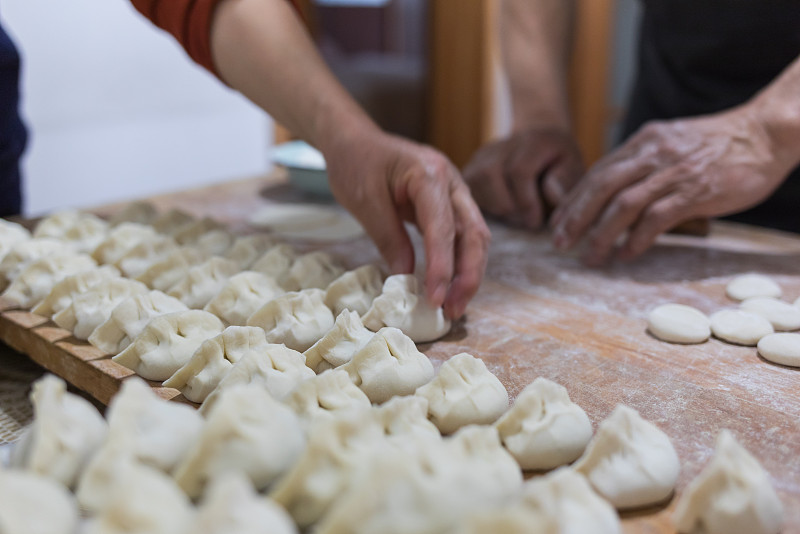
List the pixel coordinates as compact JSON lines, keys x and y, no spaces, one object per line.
{"x":261,"y":48}
{"x":536,"y":38}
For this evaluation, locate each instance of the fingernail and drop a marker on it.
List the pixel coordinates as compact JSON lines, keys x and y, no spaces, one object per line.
{"x":438,"y":295}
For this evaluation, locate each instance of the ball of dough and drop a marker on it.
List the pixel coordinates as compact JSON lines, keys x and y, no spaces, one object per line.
{"x":781,"y":348}
{"x":678,"y":323}
{"x":740,"y":327}
{"x":783,"y":316}
{"x":752,"y":285}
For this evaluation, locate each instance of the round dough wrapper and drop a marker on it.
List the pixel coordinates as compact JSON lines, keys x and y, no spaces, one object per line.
{"x":752,"y":285}
{"x":678,"y":323}
{"x":781,"y":348}
{"x":783,"y":316}
{"x":740,"y":327}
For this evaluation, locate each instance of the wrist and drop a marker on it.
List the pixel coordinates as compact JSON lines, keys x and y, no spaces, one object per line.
{"x":780,"y":120}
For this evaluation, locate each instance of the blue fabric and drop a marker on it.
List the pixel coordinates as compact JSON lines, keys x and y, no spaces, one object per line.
{"x":12,"y":131}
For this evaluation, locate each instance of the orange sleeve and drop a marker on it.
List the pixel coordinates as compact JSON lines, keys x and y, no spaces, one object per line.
{"x":189,"y":21}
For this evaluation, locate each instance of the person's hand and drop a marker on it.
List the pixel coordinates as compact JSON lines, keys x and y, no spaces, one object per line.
{"x":667,"y":173}
{"x":520,"y":178}
{"x":384,"y":180}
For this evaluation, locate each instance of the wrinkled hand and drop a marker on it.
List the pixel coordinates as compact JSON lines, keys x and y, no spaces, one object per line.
{"x":384,"y":180}
{"x":519,"y":178}
{"x":667,"y":173}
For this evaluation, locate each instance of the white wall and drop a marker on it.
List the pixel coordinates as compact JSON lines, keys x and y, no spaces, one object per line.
{"x":116,"y":110}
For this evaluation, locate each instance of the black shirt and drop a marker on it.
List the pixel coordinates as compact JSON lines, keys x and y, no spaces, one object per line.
{"x":12,"y":130}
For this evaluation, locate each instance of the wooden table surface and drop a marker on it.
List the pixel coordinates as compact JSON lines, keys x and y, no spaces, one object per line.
{"x":541,"y":313}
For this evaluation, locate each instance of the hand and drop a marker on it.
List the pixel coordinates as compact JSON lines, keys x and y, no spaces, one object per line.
{"x":667,"y":173}
{"x":384,"y":180}
{"x":520,"y":177}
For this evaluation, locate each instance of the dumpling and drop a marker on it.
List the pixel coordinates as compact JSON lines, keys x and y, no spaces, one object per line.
{"x":275,"y":368}
{"x":275,"y":262}
{"x":25,"y":252}
{"x":11,"y":233}
{"x":164,"y":274}
{"x":65,"y":433}
{"x":213,"y":359}
{"x":168,"y":342}
{"x":63,"y":292}
{"x":121,"y":239}
{"x":33,"y":504}
{"x":136,"y":212}
{"x":247,"y":249}
{"x":247,"y":432}
{"x":147,"y":252}
{"x":231,"y":506}
{"x":170,"y":221}
{"x":355,"y":290}
{"x":403,"y":416}
{"x":129,"y":317}
{"x":297,"y":319}
{"x":242,"y":295}
{"x":732,"y":495}
{"x":389,"y":365}
{"x":214,"y":243}
{"x":324,"y":395}
{"x":202,"y":282}
{"x":92,"y":308}
{"x":402,"y":305}
{"x":312,"y":270}
{"x":544,"y":428}
{"x":55,"y":224}
{"x":339,"y":344}
{"x":83,"y":231}
{"x":630,"y":462}
{"x":141,"y":500}
{"x":39,"y":277}
{"x":190,"y":232}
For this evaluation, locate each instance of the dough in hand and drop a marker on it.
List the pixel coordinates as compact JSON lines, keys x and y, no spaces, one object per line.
{"x":740,"y":327}
{"x":168,"y":342}
{"x":202,"y":282}
{"x":63,"y":292}
{"x":783,"y":316}
{"x":296,"y":319}
{"x":677,"y":323}
{"x":464,"y":392}
{"x":325,"y":395}
{"x":312,"y":270}
{"x":355,"y":290}
{"x":732,"y":495}
{"x":402,"y":305}
{"x":752,"y":285}
{"x":389,"y":365}
{"x":339,"y":345}
{"x":246,"y":432}
{"x":164,"y":274}
{"x":544,"y":429}
{"x":630,"y":462}
{"x":34,"y":504}
{"x":242,"y":295}
{"x":782,"y":348}
{"x":39,"y":277}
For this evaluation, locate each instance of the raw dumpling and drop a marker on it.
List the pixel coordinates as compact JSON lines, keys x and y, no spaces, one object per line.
{"x":214,"y":243}
{"x":732,"y":495}
{"x":129,"y":317}
{"x":544,"y":428}
{"x":403,"y":416}
{"x":33,"y":504}
{"x":354,"y":290}
{"x":147,"y":252}
{"x":39,"y":277}
{"x":202,"y":282}
{"x":213,"y":359}
{"x":65,"y":433}
{"x":276,"y":369}
{"x":136,"y":212}
{"x":92,"y":308}
{"x":246,"y":432}
{"x":247,"y":249}
{"x":231,"y":506}
{"x":463,"y":393}
{"x":169,"y":222}
{"x":56,"y":224}
{"x":190,"y":232}
{"x":168,"y":342}
{"x":242,"y":295}
{"x":275,"y":262}
{"x":389,"y":365}
{"x":340,"y":344}
{"x":324,"y":395}
{"x":297,"y":319}
{"x":121,"y":239}
{"x":630,"y":462}
{"x":402,"y":305}
{"x":83,"y":231}
{"x":63,"y":292}
{"x":25,"y":252}
{"x":11,"y":233}
{"x":164,"y":274}
{"x":312,"y":270}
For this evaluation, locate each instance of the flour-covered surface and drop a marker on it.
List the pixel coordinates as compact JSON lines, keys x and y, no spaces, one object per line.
{"x":542,"y":313}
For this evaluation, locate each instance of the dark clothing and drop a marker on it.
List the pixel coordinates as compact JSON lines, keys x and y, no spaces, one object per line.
{"x":12,"y":131}
{"x":703,"y":56}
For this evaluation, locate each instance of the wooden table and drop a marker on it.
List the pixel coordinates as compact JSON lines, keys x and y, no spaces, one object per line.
{"x":541,"y":313}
